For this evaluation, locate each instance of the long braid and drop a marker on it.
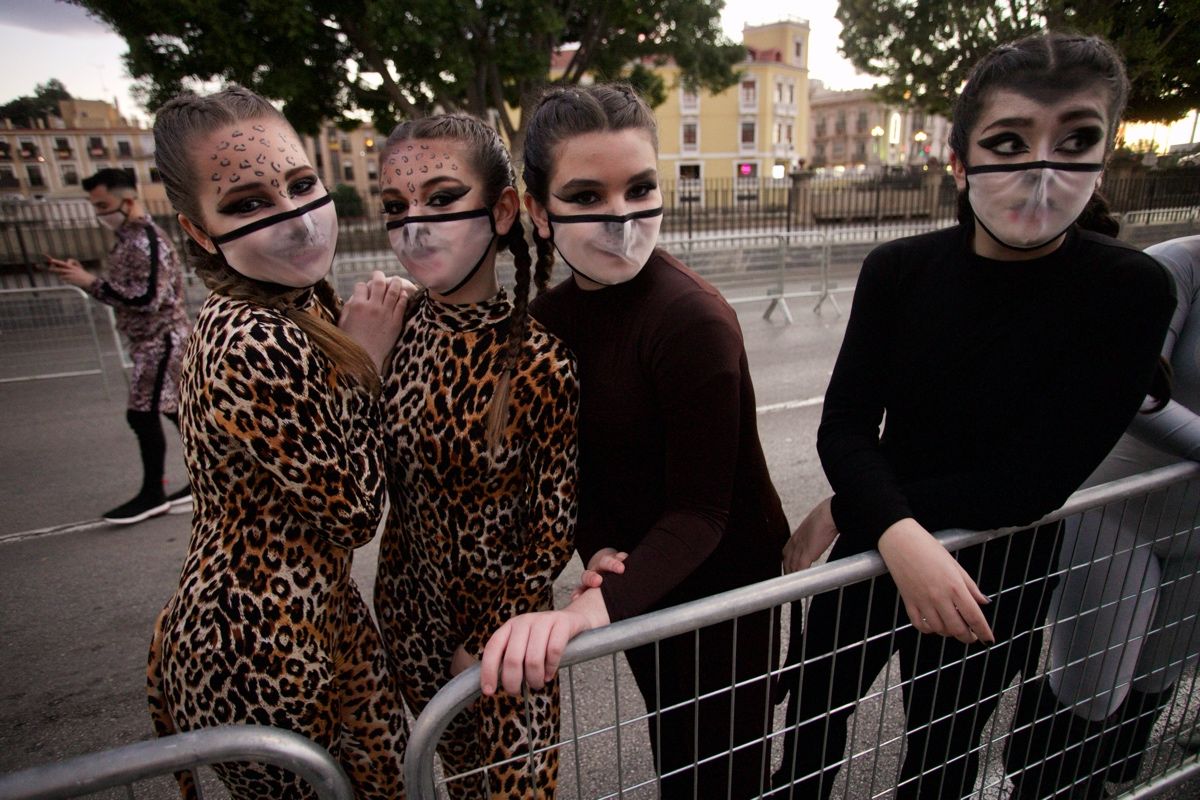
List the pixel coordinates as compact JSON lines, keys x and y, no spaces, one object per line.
{"x":518,"y":324}
{"x":545,"y":261}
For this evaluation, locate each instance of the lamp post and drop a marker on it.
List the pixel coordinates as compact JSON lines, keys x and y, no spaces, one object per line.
{"x":877,"y":135}
{"x":920,"y":137}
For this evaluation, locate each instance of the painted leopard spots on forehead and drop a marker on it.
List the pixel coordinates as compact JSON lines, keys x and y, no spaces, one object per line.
{"x":410,"y":163}
{"x":256,"y":156}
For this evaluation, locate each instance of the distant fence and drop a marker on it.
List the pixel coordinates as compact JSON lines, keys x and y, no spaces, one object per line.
{"x":693,"y":208}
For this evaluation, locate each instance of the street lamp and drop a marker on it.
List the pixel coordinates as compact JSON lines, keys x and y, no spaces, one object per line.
{"x":877,"y":135}
{"x":919,"y":137}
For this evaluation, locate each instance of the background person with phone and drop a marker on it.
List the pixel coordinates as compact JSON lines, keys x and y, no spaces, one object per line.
{"x":144,"y":285}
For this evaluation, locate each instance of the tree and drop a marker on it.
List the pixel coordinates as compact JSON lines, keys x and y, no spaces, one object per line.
{"x":347,"y":202}
{"x":25,"y":111}
{"x":925,"y":48}
{"x":328,"y":58}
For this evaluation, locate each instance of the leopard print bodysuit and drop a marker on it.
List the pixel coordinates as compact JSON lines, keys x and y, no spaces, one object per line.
{"x":474,"y":538}
{"x":267,"y":627}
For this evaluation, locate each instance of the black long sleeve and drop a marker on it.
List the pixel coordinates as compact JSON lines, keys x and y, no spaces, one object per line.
{"x":671,"y":468}
{"x":1003,"y":384}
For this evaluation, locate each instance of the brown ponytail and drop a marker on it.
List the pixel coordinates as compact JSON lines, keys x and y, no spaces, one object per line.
{"x":178,"y":124}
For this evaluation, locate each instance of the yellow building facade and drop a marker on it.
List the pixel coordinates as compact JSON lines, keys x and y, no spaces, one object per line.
{"x":88,"y":135}
{"x":755,"y":129}
{"x":350,"y":158}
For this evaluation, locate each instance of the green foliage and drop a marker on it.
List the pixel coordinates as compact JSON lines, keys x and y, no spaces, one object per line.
{"x":26,"y":110}
{"x":925,"y":48}
{"x":347,"y":202}
{"x":326,"y":58}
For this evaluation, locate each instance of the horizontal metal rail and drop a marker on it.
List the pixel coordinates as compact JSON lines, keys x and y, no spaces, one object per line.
{"x":124,"y":766}
{"x":462,"y":690}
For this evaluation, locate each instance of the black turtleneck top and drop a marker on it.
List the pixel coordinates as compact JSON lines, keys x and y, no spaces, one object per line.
{"x":1004,"y":383}
{"x":670,"y":465}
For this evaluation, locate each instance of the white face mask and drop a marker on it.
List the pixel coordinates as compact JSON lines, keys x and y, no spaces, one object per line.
{"x":1028,"y":205}
{"x":606,"y":248}
{"x":443,"y":251}
{"x":114,"y":219}
{"x":294,"y":248}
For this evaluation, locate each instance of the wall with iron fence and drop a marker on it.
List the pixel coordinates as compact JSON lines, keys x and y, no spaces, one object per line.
{"x":710,"y":207}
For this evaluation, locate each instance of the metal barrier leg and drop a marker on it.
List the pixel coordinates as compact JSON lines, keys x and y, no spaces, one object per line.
{"x":827,"y":296}
{"x":781,"y":304}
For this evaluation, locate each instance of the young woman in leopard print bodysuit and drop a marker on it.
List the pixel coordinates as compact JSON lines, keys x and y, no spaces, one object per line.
{"x":280,"y":428}
{"x":479,"y":406}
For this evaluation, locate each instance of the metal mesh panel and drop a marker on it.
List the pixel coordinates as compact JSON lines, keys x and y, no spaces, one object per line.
{"x":48,"y":333}
{"x":918,"y":712}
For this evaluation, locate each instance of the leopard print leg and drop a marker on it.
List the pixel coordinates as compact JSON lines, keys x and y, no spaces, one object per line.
{"x":374,"y":730}
{"x":418,"y":638}
{"x":159,"y":714}
{"x":511,"y":728}
{"x":232,"y":674}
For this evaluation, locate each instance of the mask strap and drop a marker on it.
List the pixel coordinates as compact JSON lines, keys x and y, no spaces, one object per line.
{"x":621,"y":218}
{"x":487,"y":248}
{"x":1063,"y":166}
{"x":451,"y":217}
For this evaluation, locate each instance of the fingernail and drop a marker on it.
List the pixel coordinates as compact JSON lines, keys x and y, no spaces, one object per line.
{"x":488,"y":688}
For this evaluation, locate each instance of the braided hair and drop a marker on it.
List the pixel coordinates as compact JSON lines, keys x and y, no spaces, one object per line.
{"x":564,"y":112}
{"x":490,"y":160}
{"x":178,"y":124}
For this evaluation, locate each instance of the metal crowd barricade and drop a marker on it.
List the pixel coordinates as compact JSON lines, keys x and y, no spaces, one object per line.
{"x":765,"y":267}
{"x":125,"y":766}
{"x":48,"y":333}
{"x":603,"y":749}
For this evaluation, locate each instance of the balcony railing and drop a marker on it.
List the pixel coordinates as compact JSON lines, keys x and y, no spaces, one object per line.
{"x":30,"y":152}
{"x":64,"y":152}
{"x":97,"y":151}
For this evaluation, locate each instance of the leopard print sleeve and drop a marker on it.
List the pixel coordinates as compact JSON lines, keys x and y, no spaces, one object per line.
{"x":551,"y":474}
{"x":313,"y":433}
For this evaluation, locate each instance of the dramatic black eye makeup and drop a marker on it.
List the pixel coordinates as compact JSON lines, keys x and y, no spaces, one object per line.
{"x":1005,"y":143}
{"x":253,"y":197}
{"x":1082,"y":139}
{"x":439,"y":197}
{"x":447,"y":196}
{"x":394,"y":208}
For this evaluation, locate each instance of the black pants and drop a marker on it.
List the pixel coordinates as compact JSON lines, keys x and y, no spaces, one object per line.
{"x":950,"y":689}
{"x":666,"y":675}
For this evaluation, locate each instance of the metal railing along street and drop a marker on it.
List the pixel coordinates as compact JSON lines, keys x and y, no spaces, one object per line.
{"x":125,"y":766}
{"x":870,"y":766}
{"x":50,"y":332}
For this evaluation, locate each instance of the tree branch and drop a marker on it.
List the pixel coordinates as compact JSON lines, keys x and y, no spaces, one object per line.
{"x":377,"y":63}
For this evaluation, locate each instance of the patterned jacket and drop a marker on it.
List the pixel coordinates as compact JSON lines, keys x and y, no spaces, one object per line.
{"x":143,"y":284}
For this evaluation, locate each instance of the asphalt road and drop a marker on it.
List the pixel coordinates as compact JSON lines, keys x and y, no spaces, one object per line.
{"x":78,"y":599}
